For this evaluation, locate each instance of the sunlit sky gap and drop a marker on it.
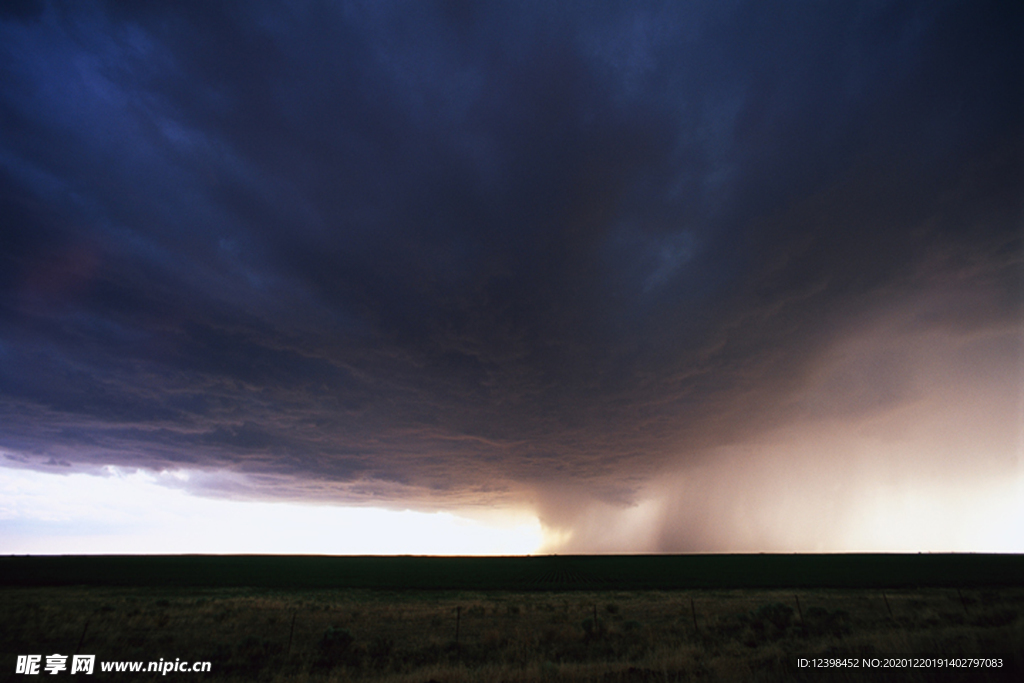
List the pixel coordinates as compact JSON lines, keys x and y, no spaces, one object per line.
{"x":485,"y":278}
{"x":117,"y":512}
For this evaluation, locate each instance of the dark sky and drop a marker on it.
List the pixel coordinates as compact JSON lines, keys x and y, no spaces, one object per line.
{"x":547,"y":254}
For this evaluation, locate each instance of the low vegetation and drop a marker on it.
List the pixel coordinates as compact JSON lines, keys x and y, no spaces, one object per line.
{"x":293,"y":636}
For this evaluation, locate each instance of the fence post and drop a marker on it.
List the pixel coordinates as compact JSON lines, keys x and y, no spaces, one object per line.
{"x":291,"y":632}
{"x":693,"y":612}
{"x":798,"y":610}
{"x":458,"y":616}
{"x":887,"y":606}
{"x":82,"y":639}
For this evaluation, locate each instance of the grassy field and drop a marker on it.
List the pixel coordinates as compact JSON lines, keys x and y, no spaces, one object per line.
{"x":453,"y":635}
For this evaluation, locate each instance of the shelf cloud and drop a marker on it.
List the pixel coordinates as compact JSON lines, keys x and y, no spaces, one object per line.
{"x":699,"y":277}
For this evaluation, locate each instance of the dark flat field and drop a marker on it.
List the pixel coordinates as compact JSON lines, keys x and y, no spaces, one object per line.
{"x":601,"y":636}
{"x":551,"y":572}
{"x":575,"y":619}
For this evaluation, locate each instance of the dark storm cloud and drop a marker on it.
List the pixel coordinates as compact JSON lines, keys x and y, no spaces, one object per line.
{"x":453,"y":252}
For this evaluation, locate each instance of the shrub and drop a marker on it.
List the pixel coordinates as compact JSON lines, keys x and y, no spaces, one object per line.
{"x":768,"y":622}
{"x":335,"y":640}
{"x":251,"y":656}
{"x":380,"y":651}
{"x":821,"y":622}
{"x":778,"y":615}
{"x":593,"y":629}
{"x":335,"y":647}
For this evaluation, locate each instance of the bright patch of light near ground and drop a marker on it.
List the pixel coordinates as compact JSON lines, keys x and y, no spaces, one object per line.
{"x":133,"y":513}
{"x":949,"y":518}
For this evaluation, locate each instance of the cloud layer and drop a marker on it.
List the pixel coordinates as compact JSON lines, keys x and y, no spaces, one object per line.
{"x":569,"y":257}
